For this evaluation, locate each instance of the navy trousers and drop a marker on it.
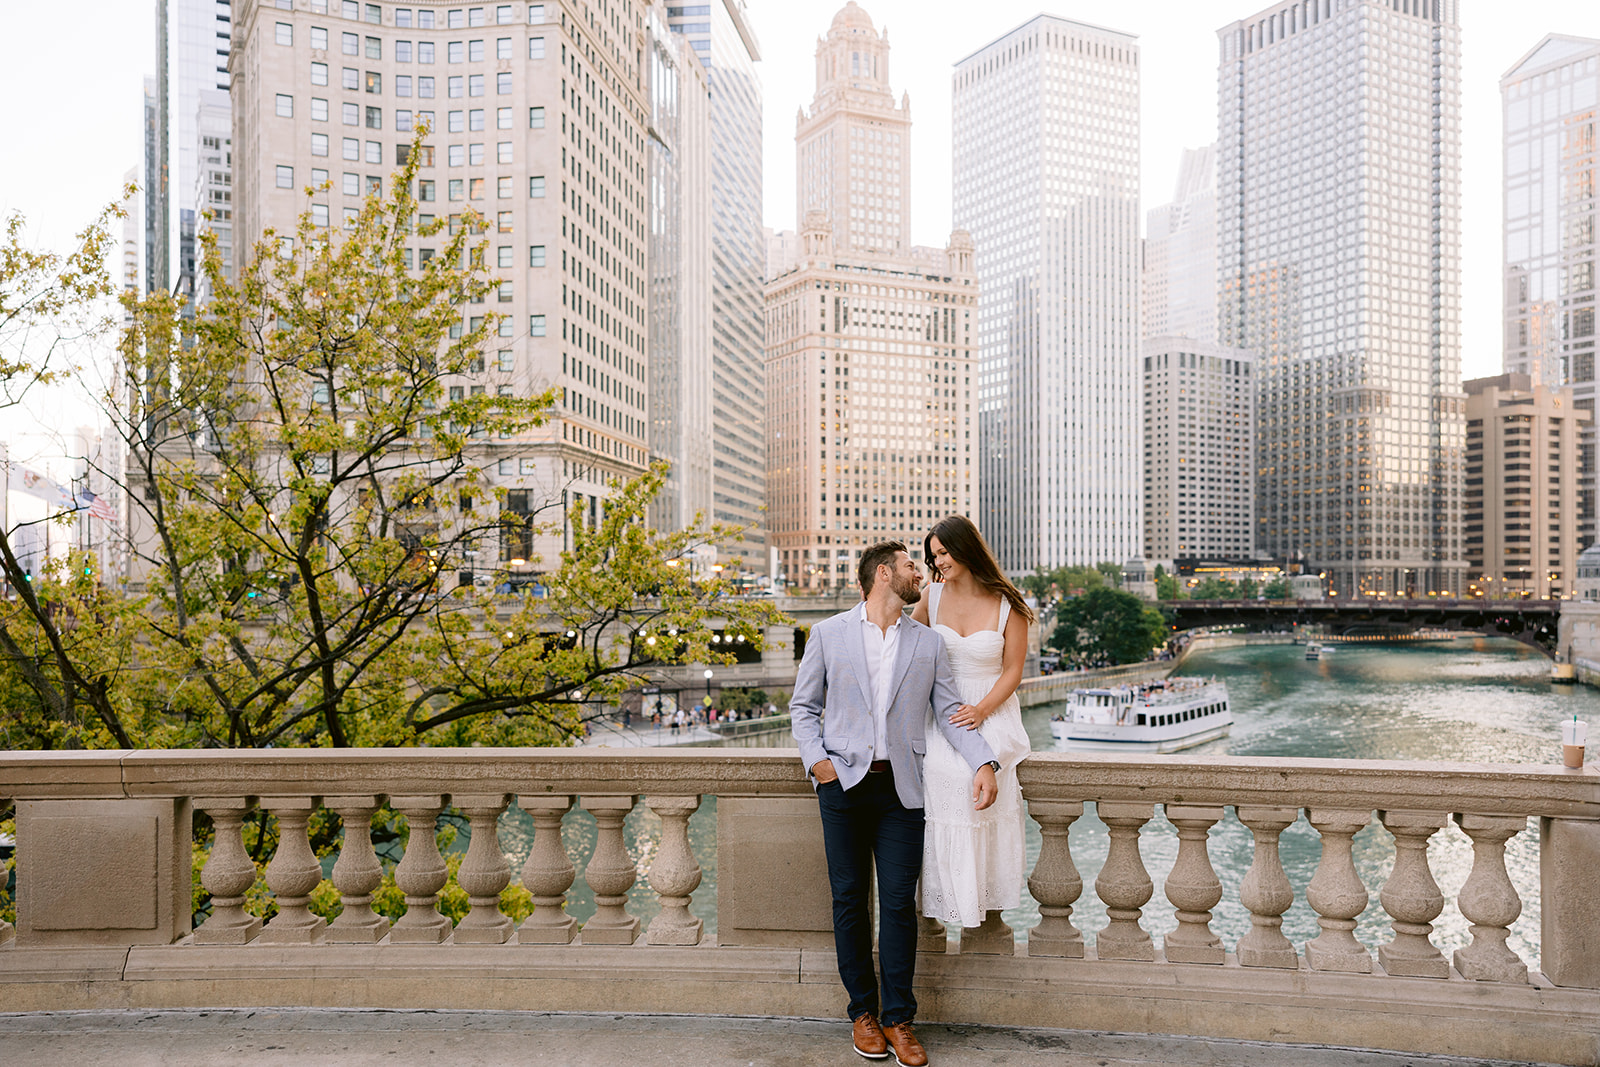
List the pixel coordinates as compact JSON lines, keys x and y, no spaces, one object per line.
{"x":861,"y":828}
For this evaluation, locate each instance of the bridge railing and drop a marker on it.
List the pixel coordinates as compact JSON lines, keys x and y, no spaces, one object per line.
{"x":104,"y":882}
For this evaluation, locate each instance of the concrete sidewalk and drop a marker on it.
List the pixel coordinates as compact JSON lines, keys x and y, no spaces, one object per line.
{"x":270,"y":1037}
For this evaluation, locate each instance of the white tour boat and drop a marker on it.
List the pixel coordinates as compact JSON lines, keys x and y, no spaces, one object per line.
{"x":1165,"y":716}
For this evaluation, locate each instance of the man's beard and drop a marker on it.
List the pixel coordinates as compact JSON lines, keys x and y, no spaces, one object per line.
{"x":907,"y":589}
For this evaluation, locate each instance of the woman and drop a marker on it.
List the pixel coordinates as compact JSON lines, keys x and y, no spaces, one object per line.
{"x":972,"y":861}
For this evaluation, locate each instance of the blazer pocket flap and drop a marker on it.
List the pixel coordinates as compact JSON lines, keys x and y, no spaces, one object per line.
{"x":920,"y":746}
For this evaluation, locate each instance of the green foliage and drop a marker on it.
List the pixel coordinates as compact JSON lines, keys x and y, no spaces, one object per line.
{"x":305,"y":481}
{"x":1168,"y":587}
{"x":1277,"y":589}
{"x":1049,"y":586}
{"x":1107,"y":626}
{"x":1214,"y":589}
{"x":8,"y":906}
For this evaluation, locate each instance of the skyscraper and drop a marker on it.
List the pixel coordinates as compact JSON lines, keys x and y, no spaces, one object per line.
{"x":537,"y":119}
{"x":1046,"y":137}
{"x":869,"y":340}
{"x":1552,"y":244}
{"x":720,"y":33}
{"x":1179,"y":294}
{"x":1339,"y":267}
{"x":679,"y":160}
{"x":213,"y":192}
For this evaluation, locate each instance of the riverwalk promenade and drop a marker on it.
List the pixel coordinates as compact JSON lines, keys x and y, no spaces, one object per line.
{"x":296,"y":1038}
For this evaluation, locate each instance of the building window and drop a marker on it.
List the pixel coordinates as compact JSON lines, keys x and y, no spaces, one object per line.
{"x":374,"y":185}
{"x":536,"y":46}
{"x":425,"y":87}
{"x":475,"y":189}
{"x":402,"y":51}
{"x":285,"y":34}
{"x":402,"y":16}
{"x":319,"y":177}
{"x":536,"y":186}
{"x":402,"y":85}
{"x":458,"y":155}
{"x":319,"y":74}
{"x":425,"y":189}
{"x":475,"y":85}
{"x":502,"y":14}
{"x":374,"y":152}
{"x":351,"y":184}
{"x":319,"y":214}
{"x":475,"y":119}
{"x":535,"y":14}
{"x":319,"y":109}
{"x":457,"y":188}
{"x":402,"y":119}
{"x":350,"y":44}
{"x":502,"y":152}
{"x":536,"y":325}
{"x":475,"y":51}
{"x":502,"y":83}
{"x":456,"y":87}
{"x":350,"y":114}
{"x":285,"y":177}
{"x":536,"y":255}
{"x":502,"y":118}
{"x":374,"y":118}
{"x":374,"y":48}
{"x":319,"y":38}
{"x":502,"y":48}
{"x":502,"y":256}
{"x":350,"y":216}
{"x":425,"y":51}
{"x":352,"y":148}
{"x":375,"y":14}
{"x":374,"y":82}
{"x":504,"y":293}
{"x":285,"y":106}
{"x":502,"y":187}
{"x":503,"y":222}
{"x":456,"y":52}
{"x":475,"y":155}
{"x":456,"y":121}
{"x":350,"y":78}
{"x":503,"y":328}
{"x":319,"y":144}
{"x":536,"y":118}
{"x":507,"y":362}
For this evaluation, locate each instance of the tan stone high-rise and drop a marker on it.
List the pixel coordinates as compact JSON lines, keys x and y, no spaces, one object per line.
{"x":1523,"y":487}
{"x":538,"y":120}
{"x":869,"y":340}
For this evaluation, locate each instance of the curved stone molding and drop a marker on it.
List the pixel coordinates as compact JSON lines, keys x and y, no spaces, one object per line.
{"x":1412,"y":897}
{"x":1337,"y":894}
{"x":227,"y":875}
{"x":484,"y":871}
{"x":548,"y":873}
{"x":1193,"y":887}
{"x":293,"y":873}
{"x":421,"y":873}
{"x":1489,"y":901}
{"x":1055,"y":882}
{"x":1124,"y":885}
{"x":611,"y":873}
{"x":356,"y":873}
{"x":1265,"y":891}
{"x":675,"y":874}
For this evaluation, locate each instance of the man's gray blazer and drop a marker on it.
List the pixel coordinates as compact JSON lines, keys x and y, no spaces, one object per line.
{"x":831,"y":709}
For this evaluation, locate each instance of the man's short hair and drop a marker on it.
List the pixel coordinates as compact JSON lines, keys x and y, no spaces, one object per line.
{"x":882,"y":552}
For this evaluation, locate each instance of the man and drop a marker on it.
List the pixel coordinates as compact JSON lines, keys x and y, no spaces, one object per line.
{"x":876,"y":672}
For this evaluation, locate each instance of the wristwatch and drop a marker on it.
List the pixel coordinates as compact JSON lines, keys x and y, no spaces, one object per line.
{"x":995,"y":764}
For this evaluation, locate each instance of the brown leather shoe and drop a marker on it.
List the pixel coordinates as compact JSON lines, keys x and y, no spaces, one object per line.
{"x":868,"y":1037}
{"x":908,"y":1051}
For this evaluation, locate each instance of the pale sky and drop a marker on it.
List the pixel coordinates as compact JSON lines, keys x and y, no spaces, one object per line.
{"x":63,"y":161}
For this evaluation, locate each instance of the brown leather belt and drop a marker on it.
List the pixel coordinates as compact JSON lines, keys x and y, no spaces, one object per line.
{"x":878,"y":766}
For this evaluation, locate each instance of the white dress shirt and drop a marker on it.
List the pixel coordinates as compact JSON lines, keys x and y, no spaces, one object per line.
{"x":880,"y":646}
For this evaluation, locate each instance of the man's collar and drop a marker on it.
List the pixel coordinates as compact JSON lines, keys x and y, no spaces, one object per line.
{"x":862,"y":609}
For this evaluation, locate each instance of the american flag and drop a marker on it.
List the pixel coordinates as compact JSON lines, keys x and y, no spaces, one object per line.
{"x":99,"y":506}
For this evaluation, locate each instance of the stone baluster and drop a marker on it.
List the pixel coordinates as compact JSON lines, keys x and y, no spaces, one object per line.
{"x":484,"y":872}
{"x":227,"y":875}
{"x":356,"y":874}
{"x":548,"y":873}
{"x":293,"y":873}
{"x":1055,"y":882}
{"x":1265,"y":891}
{"x":7,"y":931}
{"x":421,"y":873}
{"x":992,"y":937}
{"x":611,"y":873}
{"x":1124,"y":884}
{"x":1489,"y":901}
{"x":1193,"y":888}
{"x":931,"y":933}
{"x":675,"y":874}
{"x":1412,"y":898}
{"x":1337,"y":894}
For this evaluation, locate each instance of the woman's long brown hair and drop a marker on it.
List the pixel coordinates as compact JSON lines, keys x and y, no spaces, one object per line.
{"x":967,"y":547}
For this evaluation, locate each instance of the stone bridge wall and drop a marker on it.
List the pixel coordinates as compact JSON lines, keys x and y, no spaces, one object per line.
{"x":103,"y":895}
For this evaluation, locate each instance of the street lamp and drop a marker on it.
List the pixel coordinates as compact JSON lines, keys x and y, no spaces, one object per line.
{"x":708,"y":689}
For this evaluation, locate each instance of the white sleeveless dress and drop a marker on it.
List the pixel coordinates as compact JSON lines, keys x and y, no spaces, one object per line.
{"x":972,"y":861}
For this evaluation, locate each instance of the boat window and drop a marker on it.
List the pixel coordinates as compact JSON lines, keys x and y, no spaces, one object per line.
{"x":1141,"y":720}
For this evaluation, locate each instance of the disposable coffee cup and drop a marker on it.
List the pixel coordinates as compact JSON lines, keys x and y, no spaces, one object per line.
{"x":1573,"y":734}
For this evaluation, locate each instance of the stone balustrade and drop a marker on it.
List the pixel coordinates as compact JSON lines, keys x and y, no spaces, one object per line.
{"x":104,"y":885}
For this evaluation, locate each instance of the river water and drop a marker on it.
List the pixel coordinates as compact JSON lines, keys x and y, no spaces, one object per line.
{"x":1474,"y":700}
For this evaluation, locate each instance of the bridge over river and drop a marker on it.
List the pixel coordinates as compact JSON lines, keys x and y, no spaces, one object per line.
{"x":1533,"y":622}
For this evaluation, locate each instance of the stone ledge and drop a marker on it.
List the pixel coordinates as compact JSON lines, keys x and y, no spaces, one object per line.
{"x":1455,"y":1016}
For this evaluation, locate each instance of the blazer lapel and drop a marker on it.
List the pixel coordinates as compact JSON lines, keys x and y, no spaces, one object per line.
{"x":905,"y":648}
{"x":857,"y":645}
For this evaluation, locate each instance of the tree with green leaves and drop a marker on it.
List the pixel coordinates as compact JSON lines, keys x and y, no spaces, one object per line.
{"x":1107,"y":626}
{"x":1168,"y":587}
{"x":306,"y":475}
